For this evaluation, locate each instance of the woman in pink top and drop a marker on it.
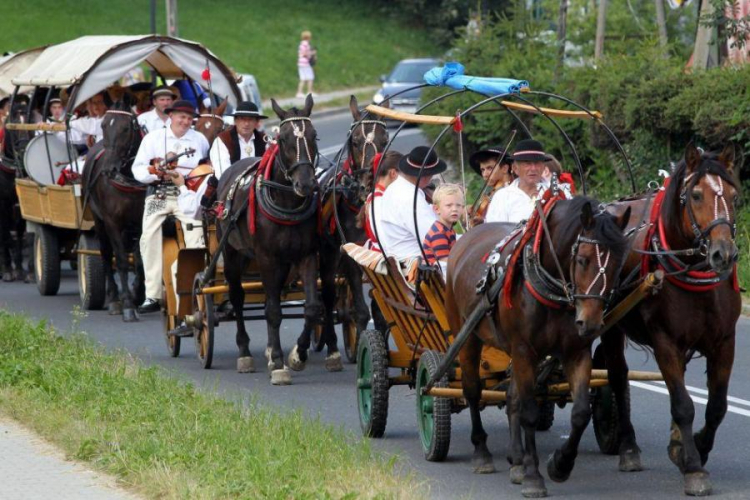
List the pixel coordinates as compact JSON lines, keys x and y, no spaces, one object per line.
{"x":304,"y":68}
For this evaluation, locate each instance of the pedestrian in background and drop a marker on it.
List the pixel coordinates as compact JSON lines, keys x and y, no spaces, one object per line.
{"x":306,"y":58}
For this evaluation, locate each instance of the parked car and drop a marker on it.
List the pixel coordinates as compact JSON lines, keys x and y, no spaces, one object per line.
{"x":407,"y":73}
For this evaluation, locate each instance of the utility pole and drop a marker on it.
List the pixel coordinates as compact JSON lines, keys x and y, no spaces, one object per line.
{"x":661,"y":22}
{"x":172,"y":18}
{"x":562,"y":28}
{"x":601,"y":22}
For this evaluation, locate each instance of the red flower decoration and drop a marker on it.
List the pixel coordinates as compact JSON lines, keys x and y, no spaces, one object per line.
{"x":206,"y":75}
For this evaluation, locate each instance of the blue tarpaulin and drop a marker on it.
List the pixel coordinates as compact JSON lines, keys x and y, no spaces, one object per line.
{"x":452,"y":75}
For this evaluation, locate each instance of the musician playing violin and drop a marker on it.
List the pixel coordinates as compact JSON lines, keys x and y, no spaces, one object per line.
{"x":495,"y":169}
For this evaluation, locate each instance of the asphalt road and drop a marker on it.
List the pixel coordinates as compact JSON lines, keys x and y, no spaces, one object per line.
{"x":332,"y":397}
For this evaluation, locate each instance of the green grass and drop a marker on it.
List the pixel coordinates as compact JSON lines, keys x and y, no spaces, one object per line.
{"x":354,"y":43}
{"x":165,"y":439}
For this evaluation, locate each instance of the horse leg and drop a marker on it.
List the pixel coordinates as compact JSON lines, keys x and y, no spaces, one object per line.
{"x":328,"y":289}
{"x":470,"y":357}
{"x":234,"y":263}
{"x":682,"y":449}
{"x":719,"y":367}
{"x":525,"y":379}
{"x":105,"y":249}
{"x":6,"y":242}
{"x":515,"y":451}
{"x":139,"y":284}
{"x":18,"y":243}
{"x":123,"y":266}
{"x":274,"y":275}
{"x":578,"y":373}
{"x":613,"y":345}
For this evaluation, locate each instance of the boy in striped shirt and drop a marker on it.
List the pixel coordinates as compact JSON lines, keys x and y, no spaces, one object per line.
{"x":448,"y":203}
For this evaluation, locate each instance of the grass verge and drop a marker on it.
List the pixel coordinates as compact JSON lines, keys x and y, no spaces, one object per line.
{"x":165,"y":439}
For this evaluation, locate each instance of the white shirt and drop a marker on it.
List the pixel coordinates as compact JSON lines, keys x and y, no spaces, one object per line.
{"x":511,"y":204}
{"x":189,"y":202}
{"x":88,"y":125}
{"x":394,"y":219}
{"x":160,"y":142}
{"x":151,"y":121}
{"x":220,"y":154}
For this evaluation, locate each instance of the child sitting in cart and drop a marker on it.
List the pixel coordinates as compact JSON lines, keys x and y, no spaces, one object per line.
{"x":448,"y":204}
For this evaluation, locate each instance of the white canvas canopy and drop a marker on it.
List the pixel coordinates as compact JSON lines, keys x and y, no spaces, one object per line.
{"x":96,"y":62}
{"x":13,"y":65}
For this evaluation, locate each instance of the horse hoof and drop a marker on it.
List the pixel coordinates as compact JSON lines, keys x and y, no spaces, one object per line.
{"x":553,"y":469}
{"x":295,"y":363}
{"x":115,"y":308}
{"x":7,"y":277}
{"x":333,"y":362}
{"x":697,"y":484}
{"x":516,"y":474}
{"x":485,"y":468}
{"x":281,"y":377}
{"x":630,"y":461}
{"x":245,"y":364}
{"x":534,"y":488}
{"x":129,"y":316}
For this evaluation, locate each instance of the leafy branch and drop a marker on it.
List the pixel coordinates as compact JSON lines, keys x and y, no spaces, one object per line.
{"x":725,"y":16}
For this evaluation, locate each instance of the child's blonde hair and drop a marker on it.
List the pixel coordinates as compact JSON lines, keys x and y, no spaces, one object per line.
{"x":444,"y":190}
{"x":306,"y":35}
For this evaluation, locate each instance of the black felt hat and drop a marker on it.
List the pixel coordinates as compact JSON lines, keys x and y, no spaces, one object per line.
{"x":412,"y":163}
{"x":182,"y":107}
{"x":493,"y":152}
{"x":248,"y":109}
{"x":529,"y":150}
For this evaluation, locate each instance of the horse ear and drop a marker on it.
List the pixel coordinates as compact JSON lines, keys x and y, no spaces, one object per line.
{"x":692,"y":157}
{"x":221,"y":107}
{"x":622,"y":221}
{"x":587,"y":216}
{"x":354,"y":107}
{"x":202,"y":109}
{"x":278,"y":110}
{"x":727,"y":157}
{"x":308,"y":105}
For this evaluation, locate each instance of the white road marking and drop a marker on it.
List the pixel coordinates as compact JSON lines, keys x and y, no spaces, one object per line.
{"x":731,"y":399}
{"x":696,"y":399}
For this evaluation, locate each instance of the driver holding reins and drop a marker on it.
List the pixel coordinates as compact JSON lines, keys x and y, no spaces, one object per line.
{"x":161,"y":199}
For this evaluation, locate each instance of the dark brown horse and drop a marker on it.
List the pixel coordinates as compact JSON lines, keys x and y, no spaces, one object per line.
{"x":367,"y":138}
{"x":210,"y":122}
{"x":116,"y":201}
{"x":696,"y":310}
{"x":590,"y":248}
{"x":284,"y":214}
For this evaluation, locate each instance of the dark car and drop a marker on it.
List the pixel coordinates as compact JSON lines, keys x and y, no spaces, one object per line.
{"x":407,"y":73}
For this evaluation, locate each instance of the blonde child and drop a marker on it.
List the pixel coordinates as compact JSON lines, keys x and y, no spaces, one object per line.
{"x":448,"y":204}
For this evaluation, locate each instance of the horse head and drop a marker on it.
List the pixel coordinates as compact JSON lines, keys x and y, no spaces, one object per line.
{"x":597,"y":250}
{"x":705,"y":212}
{"x":367,"y":138}
{"x":120,"y":129}
{"x":210,"y":122}
{"x":298,"y":147}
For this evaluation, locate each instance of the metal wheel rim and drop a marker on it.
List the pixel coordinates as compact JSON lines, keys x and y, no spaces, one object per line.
{"x":364,"y":385}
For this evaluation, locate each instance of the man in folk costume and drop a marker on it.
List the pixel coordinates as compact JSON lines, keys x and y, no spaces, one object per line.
{"x":161,"y":199}
{"x":243,"y":140}
{"x":495,"y":172}
{"x":162,"y":98}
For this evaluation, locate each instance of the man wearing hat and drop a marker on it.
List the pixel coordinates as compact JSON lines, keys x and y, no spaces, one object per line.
{"x":394,"y":222}
{"x":495,"y":168}
{"x":162,"y":97}
{"x":243,"y":140}
{"x":161,"y":198}
{"x":516,"y":202}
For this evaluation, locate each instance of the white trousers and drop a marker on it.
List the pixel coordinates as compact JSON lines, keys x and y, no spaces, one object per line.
{"x":154,"y":213}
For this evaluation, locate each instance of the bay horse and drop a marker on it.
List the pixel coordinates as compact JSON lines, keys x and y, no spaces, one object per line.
{"x":210,"y":122}
{"x":532,"y":320}
{"x":279,"y":231}
{"x":117,"y":200}
{"x":690,"y":234}
{"x":353,"y":184}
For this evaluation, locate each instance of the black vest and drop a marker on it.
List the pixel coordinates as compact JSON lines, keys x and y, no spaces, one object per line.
{"x":231,"y":140}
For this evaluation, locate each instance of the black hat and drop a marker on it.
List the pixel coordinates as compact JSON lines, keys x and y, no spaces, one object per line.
{"x":529,"y":150}
{"x":412,"y":163}
{"x":248,"y":109}
{"x":493,"y":152}
{"x":163,"y":90}
{"x":182,"y":107}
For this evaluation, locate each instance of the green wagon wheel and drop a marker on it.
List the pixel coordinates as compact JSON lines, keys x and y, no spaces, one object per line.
{"x":433,"y":414}
{"x":204,"y":331}
{"x":372,"y":383}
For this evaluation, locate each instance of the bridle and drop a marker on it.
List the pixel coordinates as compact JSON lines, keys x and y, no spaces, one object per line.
{"x":215,"y":118}
{"x":601,"y":273}
{"x":134,"y":129}
{"x":300,"y":141}
{"x":369,"y":142}
{"x":702,"y":236}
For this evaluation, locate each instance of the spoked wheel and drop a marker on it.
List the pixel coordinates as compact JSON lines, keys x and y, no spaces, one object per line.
{"x":203,"y":305}
{"x":46,"y":260}
{"x":433,"y":414}
{"x":170,"y":323}
{"x":604,"y":412}
{"x":372,"y":384}
{"x":349,"y":327}
{"x":92,"y":285}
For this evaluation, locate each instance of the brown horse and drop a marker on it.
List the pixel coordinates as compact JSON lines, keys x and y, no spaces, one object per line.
{"x":693,"y":241}
{"x":210,"y":122}
{"x":367,"y":138}
{"x":284,"y":213}
{"x":116,"y":200}
{"x":589,"y":248}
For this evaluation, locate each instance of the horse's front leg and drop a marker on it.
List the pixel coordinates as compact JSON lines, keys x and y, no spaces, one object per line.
{"x":682,"y":449}
{"x":114,"y":305}
{"x":328,"y":268}
{"x":578,"y":372}
{"x":273,"y":276}
{"x":234,"y":264}
{"x":470,"y":357}
{"x":123,"y":266}
{"x":719,"y":367}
